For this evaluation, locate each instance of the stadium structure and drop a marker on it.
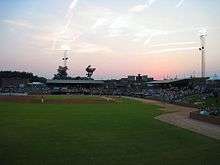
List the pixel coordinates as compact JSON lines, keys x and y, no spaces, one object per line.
{"x":184,"y":82}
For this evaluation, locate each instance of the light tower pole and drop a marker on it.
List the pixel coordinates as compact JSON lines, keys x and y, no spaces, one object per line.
{"x":203,"y":50}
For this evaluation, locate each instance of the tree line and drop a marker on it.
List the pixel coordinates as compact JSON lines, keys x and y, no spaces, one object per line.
{"x":24,"y":75}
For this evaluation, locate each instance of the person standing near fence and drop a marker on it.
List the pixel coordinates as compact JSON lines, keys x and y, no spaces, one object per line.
{"x":42,"y":99}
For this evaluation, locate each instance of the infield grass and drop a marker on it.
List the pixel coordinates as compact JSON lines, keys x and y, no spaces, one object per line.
{"x":124,"y":132}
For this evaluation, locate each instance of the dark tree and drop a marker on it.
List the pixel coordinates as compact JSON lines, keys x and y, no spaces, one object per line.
{"x":62,"y":73}
{"x":25,"y":75}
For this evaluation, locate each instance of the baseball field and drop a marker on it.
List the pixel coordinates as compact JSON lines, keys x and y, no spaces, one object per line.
{"x":95,"y":130}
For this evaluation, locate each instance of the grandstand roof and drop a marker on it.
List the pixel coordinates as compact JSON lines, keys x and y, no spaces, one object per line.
{"x":165,"y":81}
{"x":75,"y":82}
{"x":179,"y":81}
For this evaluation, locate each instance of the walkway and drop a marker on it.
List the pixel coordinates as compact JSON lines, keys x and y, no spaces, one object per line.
{"x":179,"y":116}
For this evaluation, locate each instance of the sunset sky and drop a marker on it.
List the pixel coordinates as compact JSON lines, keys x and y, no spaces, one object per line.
{"x":159,"y":38}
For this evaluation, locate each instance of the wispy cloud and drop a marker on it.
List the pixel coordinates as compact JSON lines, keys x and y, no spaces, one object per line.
{"x":63,"y":36}
{"x":174,"y":44}
{"x":18,"y":23}
{"x":149,"y":3}
{"x":180,"y":3}
{"x":100,"y":22}
{"x":140,"y":8}
{"x":70,"y":13}
{"x":137,"y":8}
{"x":148,"y":34}
{"x":120,"y":26}
{"x":91,"y":48}
{"x":171,"y":50}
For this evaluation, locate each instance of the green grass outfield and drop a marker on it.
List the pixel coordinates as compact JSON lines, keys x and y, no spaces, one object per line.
{"x":120,"y":133}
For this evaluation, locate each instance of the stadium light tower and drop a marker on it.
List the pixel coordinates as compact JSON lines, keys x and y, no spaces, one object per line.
{"x":66,"y":49}
{"x":62,"y":70}
{"x":65,"y":58}
{"x":203,"y":49}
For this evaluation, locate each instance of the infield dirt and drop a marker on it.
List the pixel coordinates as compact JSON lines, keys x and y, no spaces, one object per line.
{"x":48,"y":100}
